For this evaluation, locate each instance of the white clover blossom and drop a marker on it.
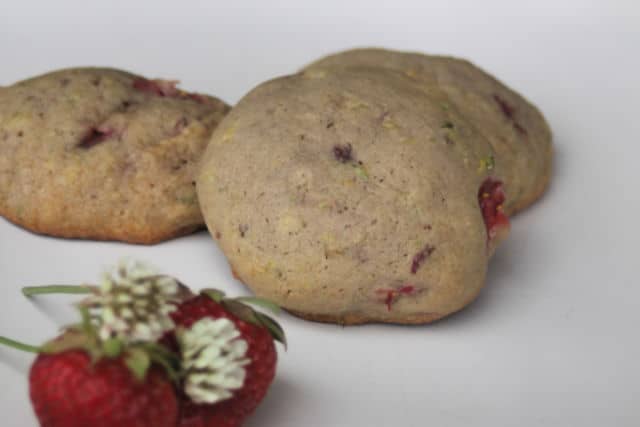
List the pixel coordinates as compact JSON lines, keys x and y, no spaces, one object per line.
{"x":134,"y":303}
{"x":213,"y":359}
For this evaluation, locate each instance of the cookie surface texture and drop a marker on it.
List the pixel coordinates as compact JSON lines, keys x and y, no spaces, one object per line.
{"x":515,"y":128}
{"x":353,"y":195}
{"x":103,"y":154}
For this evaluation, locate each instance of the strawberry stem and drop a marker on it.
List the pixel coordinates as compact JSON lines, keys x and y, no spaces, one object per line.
{"x":19,"y":346}
{"x":30,"y":291}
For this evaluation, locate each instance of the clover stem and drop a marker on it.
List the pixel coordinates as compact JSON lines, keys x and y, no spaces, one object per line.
{"x":19,"y":346}
{"x":30,"y":291}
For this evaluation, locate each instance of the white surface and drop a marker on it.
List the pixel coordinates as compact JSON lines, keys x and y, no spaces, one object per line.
{"x":552,"y":339}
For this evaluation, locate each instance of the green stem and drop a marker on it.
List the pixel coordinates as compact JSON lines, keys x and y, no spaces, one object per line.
{"x":86,"y":324}
{"x":30,"y":291}
{"x":19,"y":346}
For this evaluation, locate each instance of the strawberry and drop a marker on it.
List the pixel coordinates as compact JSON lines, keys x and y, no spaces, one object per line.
{"x":258,"y":331}
{"x":150,"y":353}
{"x":79,"y":380}
{"x":108,"y":370}
{"x":68,"y":390}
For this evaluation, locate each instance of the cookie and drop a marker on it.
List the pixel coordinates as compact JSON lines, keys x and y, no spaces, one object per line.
{"x":352,"y":195}
{"x":516,"y":130}
{"x":103,"y":154}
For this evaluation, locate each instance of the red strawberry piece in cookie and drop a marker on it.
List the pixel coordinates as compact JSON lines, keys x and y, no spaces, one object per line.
{"x":491,"y":198}
{"x":158,"y":87}
{"x":168,"y":88}
{"x":390,"y":295}
{"x":95,"y":136}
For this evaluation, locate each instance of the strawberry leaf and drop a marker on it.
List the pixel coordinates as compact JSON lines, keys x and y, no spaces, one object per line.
{"x":184,"y":292}
{"x":214,"y":294}
{"x":273,"y":327}
{"x":241,"y":311}
{"x":138,"y":362}
{"x":172,"y":373}
{"x":160,"y":351}
{"x":112,"y":347}
{"x":260,"y":302}
{"x":165,"y":358}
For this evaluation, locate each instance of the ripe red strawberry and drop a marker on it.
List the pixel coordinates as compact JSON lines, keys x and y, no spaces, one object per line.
{"x":68,"y":391}
{"x":259,"y":332}
{"x":108,"y":369}
{"x":111,"y":370}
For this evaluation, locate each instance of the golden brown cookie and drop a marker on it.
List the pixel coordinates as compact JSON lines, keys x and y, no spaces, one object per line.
{"x":103,"y":154}
{"x":355,"y":195}
{"x":515,"y":128}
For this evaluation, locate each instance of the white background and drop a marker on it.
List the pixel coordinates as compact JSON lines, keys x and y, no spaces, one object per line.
{"x":553,"y":339}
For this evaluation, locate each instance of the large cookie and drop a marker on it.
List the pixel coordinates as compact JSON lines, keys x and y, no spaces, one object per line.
{"x":515,"y":128}
{"x":103,"y":154}
{"x":354,"y":195}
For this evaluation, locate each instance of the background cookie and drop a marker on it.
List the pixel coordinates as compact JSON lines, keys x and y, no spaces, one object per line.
{"x":344,"y":196}
{"x":515,"y":129}
{"x":103,"y":154}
